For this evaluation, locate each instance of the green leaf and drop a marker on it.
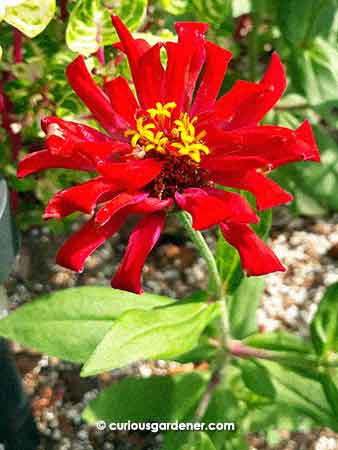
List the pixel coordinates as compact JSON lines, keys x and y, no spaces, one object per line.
{"x":87,"y":20}
{"x":175,"y":7}
{"x":157,"y":399}
{"x":324,"y":326}
{"x":329,"y":380}
{"x":279,"y":341}
{"x":70,"y":323}
{"x":89,"y":26}
{"x":201,"y":441}
{"x":262,"y":228}
{"x":31,"y":17}
{"x":243,"y":305}
{"x":223,"y":408}
{"x":317,"y":17}
{"x":228,"y":263}
{"x":257,"y":378}
{"x":163,"y":333}
{"x":301,"y":393}
{"x":273,"y":417}
{"x":314,"y":72}
{"x":313,"y":185}
{"x":227,"y":257}
{"x":212,"y":11}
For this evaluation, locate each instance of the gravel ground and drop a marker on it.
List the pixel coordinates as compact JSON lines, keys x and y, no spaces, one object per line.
{"x":308,"y":248}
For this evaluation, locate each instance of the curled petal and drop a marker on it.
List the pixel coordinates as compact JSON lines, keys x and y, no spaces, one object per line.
{"x":131,"y":175}
{"x":78,"y":247}
{"x":83,"y":197}
{"x":256,"y":257}
{"x":94,"y":98}
{"x":247,"y":103}
{"x":268,"y":193}
{"x":304,"y":133}
{"x":133,"y":48}
{"x":277,"y":145}
{"x":112,"y":206}
{"x":141,"y":242}
{"x":216,"y":64}
{"x":210,"y":206}
{"x":121,"y":98}
{"x":43,"y":159}
{"x":63,"y":135}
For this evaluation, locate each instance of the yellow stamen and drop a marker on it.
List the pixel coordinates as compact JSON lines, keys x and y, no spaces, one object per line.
{"x":181,"y":137}
{"x":161,"y":111}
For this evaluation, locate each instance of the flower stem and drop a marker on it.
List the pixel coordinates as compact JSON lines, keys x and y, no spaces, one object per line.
{"x":216,"y":291}
{"x":215,"y":284}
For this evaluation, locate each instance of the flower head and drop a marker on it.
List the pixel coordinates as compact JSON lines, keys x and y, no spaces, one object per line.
{"x":174,"y":145}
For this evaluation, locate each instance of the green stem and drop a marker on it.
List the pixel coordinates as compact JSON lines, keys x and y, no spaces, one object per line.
{"x":216,"y":291}
{"x":215,"y":283}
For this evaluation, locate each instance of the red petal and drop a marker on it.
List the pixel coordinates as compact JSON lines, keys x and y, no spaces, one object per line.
{"x":247,"y":103}
{"x":141,"y":45}
{"x":78,"y":247}
{"x":43,"y":159}
{"x":134,"y":48}
{"x":150,"y":204}
{"x":268,"y":193}
{"x":216,"y":64}
{"x":224,"y":164}
{"x":132,"y":175}
{"x":150,"y":75}
{"x":103,"y":152}
{"x":94,"y":98}
{"x":277,"y":145}
{"x":83,"y":197}
{"x":112,"y":206}
{"x":305,"y":133}
{"x":210,"y":206}
{"x":62,"y":135}
{"x":256,"y":257}
{"x":121,"y":98}
{"x":185,"y":60}
{"x":141,"y":242}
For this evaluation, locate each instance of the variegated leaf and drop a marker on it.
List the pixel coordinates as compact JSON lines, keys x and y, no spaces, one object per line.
{"x":90,"y":26}
{"x":31,"y":16}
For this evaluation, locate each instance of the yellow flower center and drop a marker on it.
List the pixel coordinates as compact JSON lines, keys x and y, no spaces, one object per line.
{"x":158,"y":132}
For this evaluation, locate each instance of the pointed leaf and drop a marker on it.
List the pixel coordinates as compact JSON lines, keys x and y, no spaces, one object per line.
{"x":154,"y":399}
{"x":324,"y":326}
{"x":70,"y":323}
{"x":164,"y":333}
{"x":243,"y":305}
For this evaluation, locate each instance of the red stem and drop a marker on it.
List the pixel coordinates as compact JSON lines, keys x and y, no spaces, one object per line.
{"x":7,"y":122}
{"x":100,"y":55}
{"x":6,"y":108}
{"x":64,"y":10}
{"x":17,"y":53}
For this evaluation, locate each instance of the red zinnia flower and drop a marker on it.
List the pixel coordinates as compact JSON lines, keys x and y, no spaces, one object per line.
{"x":167,"y":149}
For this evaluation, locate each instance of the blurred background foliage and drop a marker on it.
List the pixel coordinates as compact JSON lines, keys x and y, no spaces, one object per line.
{"x":33,"y":82}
